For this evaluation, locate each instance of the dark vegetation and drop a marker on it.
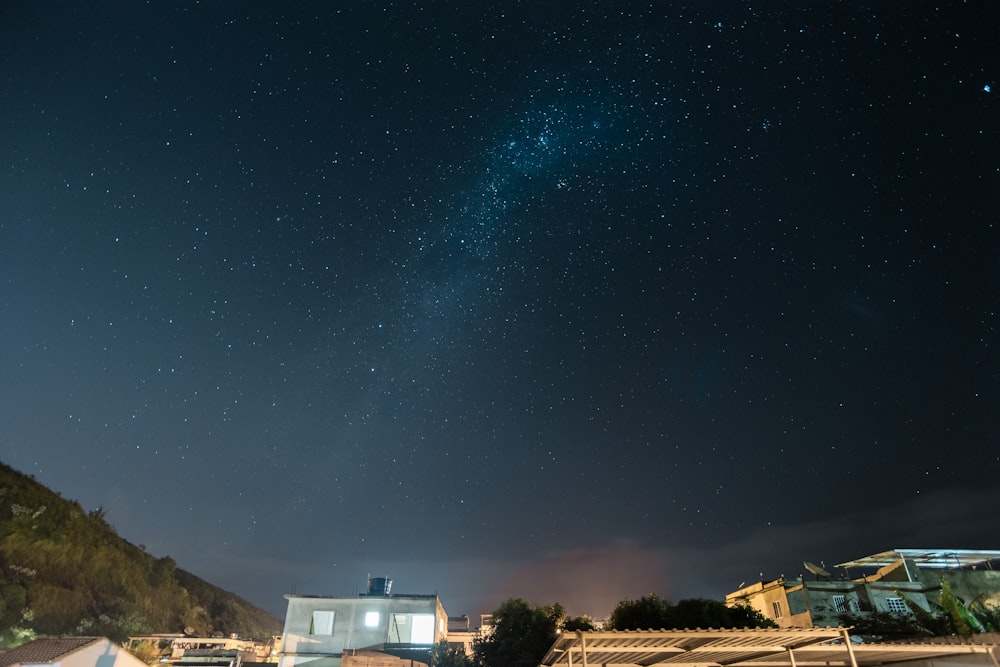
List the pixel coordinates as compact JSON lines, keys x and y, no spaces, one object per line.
{"x":521,"y":635}
{"x":651,"y":612}
{"x":65,"y":571}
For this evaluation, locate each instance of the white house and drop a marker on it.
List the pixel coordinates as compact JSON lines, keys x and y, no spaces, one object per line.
{"x":321,"y":631}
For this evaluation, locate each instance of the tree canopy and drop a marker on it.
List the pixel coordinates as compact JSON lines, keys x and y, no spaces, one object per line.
{"x":578,"y":623}
{"x":520,"y":636}
{"x":651,"y":612}
{"x":447,"y":655}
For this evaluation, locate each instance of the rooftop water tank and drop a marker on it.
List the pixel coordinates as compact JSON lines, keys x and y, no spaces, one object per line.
{"x":379,"y":586}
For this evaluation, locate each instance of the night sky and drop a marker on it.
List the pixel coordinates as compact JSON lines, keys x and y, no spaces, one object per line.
{"x":567,"y":301}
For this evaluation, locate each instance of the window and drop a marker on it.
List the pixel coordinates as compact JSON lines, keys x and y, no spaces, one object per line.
{"x":839,"y":604}
{"x":322,"y":623}
{"x":411,"y":629}
{"x":371,"y":619}
{"x":423,"y":629}
{"x":776,"y":608}
{"x":895,"y":605}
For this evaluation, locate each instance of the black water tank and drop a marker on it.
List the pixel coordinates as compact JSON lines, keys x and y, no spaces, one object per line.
{"x":379,"y":586}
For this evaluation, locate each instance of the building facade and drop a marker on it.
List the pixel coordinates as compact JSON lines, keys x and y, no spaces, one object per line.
{"x":901,"y":577}
{"x":322,"y":631}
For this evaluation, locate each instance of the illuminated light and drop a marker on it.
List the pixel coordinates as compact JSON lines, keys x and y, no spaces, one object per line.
{"x":423,"y":629}
{"x":371,"y":619}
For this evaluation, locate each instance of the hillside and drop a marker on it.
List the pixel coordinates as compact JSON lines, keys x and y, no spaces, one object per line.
{"x":65,"y":571}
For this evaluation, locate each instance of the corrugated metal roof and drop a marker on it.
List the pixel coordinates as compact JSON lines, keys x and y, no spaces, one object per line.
{"x":929,"y":558}
{"x":45,"y":651}
{"x":765,"y":647}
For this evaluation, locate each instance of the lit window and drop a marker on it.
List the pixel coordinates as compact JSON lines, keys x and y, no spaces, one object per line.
{"x":322,"y":623}
{"x":840,"y":604}
{"x":411,"y":628}
{"x":776,"y":608}
{"x":895,"y":605}
{"x":423,"y":629}
{"x":371,"y":619}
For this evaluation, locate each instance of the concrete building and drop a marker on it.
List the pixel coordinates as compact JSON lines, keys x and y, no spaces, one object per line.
{"x":461,"y":634}
{"x":329,"y":631}
{"x":913,"y":574}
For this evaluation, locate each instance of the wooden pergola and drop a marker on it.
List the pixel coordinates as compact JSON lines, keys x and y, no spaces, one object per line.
{"x":765,"y":647}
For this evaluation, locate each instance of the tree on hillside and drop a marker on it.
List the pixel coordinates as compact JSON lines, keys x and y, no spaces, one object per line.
{"x":521,"y":635}
{"x":64,"y":571}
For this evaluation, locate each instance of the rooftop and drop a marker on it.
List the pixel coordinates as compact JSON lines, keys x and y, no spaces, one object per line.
{"x":928,"y":558}
{"x":45,"y":651}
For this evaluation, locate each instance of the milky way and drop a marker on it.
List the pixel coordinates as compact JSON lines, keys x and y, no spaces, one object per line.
{"x":499,"y":300}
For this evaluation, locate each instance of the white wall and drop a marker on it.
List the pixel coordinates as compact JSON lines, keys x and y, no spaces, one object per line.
{"x":101,"y":654}
{"x":349,"y":628}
